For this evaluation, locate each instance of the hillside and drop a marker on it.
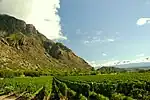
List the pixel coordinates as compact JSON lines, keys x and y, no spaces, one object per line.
{"x":111,"y":69}
{"x":22,"y":47}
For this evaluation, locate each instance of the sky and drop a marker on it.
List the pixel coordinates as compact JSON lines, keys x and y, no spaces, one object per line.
{"x":106,"y":31}
{"x":102,"y":32}
{"x":43,"y":14}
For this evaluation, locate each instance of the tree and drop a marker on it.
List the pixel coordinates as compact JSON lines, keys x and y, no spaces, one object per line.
{"x":93,"y":69}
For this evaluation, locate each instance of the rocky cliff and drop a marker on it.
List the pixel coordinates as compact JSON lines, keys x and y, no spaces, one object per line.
{"x":23,"y":47}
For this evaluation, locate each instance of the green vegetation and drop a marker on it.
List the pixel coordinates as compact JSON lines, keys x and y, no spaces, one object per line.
{"x":11,"y":74}
{"x":110,"y":77}
{"x":108,"y":70}
{"x":29,"y":60}
{"x":127,"y":86}
{"x":30,"y":87}
{"x":63,"y":47}
{"x":74,"y":91}
{"x":123,"y":86}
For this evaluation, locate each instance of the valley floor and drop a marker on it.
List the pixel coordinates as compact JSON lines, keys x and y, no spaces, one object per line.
{"x":126,"y":86}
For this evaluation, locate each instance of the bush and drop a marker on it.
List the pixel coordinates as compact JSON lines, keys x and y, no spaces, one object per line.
{"x":71,"y":94}
{"x":129,"y":98}
{"x":32,"y":73}
{"x":101,"y":97}
{"x":9,"y":74}
{"x":80,"y":97}
{"x":81,"y":88}
{"x":104,"y":88}
{"x":61,"y":86}
{"x":118,"y":96}
{"x":93,"y":73}
{"x":8,"y":89}
{"x":95,"y":96}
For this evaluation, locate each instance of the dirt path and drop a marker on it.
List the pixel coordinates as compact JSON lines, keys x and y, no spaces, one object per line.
{"x":3,"y":96}
{"x":8,"y":97}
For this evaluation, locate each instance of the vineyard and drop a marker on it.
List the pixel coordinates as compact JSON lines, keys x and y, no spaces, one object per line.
{"x":127,"y":86}
{"x":26,"y":88}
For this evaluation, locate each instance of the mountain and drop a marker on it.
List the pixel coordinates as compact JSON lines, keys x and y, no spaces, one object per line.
{"x":22,"y":47}
{"x":125,"y":67}
{"x":142,"y":62}
{"x":135,"y":65}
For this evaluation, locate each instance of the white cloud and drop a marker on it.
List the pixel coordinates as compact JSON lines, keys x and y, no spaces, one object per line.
{"x":140,"y":55}
{"x":122,"y":62}
{"x":98,"y":37}
{"x":86,"y":42}
{"x":110,"y":63}
{"x":93,"y":63}
{"x":140,"y":60}
{"x":97,"y":64}
{"x":104,"y":54}
{"x":96,"y":40}
{"x":143,"y":21}
{"x":92,"y":40}
{"x":42,"y":13}
{"x":110,"y":40}
{"x":79,"y":32}
{"x":117,"y":62}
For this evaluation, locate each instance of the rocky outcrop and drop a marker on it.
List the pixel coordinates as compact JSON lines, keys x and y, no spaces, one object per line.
{"x":23,"y":47}
{"x":30,"y":29}
{"x":13,"y":25}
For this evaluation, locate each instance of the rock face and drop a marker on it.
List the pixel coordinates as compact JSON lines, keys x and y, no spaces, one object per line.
{"x":23,"y":47}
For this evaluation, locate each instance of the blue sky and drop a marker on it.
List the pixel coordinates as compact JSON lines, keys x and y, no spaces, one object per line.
{"x":101,"y":31}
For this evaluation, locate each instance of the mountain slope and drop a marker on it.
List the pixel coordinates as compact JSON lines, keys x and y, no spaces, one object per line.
{"x":23,"y":47}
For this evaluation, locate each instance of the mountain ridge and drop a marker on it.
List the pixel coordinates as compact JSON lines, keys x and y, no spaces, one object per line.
{"x":24,"y":47}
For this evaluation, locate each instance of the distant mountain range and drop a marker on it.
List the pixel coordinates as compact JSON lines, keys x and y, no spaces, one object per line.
{"x":135,"y":65}
{"x":130,"y":64}
{"x":132,"y":67}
